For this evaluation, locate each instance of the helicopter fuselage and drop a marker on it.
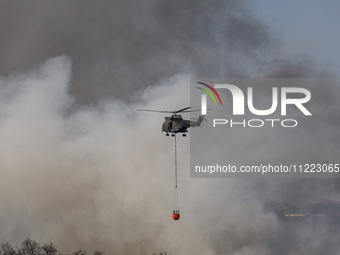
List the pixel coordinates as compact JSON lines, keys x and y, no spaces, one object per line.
{"x":176,"y":124}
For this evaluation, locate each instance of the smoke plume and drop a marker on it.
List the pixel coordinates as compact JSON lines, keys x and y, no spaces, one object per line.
{"x":120,"y":46}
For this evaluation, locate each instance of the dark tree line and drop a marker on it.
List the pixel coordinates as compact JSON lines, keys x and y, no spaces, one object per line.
{"x":31,"y":247}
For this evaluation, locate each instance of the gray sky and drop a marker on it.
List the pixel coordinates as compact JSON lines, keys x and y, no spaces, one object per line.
{"x":304,"y":27}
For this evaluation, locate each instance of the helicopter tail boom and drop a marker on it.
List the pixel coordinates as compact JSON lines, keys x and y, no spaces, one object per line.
{"x":198,"y":122}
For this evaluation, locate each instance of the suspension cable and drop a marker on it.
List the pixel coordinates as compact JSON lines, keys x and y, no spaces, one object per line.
{"x":176,"y":203}
{"x":175,"y":162}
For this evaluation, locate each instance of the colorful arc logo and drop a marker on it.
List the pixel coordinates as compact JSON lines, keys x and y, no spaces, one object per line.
{"x":209,"y":93}
{"x":204,"y":97}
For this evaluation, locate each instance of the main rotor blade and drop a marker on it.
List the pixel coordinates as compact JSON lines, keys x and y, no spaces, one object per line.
{"x":182,"y":110}
{"x":197,"y":110}
{"x":186,"y":108}
{"x":141,"y":110}
{"x":192,"y":111}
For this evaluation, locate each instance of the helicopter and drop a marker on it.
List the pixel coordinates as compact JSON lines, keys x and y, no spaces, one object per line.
{"x":175,"y":123}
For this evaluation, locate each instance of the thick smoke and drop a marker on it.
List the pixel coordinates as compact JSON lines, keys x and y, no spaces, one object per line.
{"x":91,"y":177}
{"x":100,"y":175}
{"x":118,"y":46}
